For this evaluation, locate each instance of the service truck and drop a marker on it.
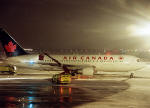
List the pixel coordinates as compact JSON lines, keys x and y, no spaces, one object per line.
{"x":7,"y":69}
{"x":61,"y":78}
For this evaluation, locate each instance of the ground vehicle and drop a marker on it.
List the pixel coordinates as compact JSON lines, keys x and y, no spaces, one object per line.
{"x":61,"y":78}
{"x":7,"y":68}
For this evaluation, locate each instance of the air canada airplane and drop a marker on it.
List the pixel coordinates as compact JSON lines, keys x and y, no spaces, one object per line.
{"x":87,"y":64}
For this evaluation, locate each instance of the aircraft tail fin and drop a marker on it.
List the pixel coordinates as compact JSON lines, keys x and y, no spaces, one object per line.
{"x":11,"y":47}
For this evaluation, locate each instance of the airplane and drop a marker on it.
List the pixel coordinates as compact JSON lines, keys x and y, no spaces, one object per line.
{"x":87,"y":64}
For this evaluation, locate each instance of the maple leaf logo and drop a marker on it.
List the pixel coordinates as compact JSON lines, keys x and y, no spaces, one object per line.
{"x":10,"y":47}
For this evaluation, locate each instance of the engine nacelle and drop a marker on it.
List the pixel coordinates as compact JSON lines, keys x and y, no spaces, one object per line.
{"x":88,"y":71}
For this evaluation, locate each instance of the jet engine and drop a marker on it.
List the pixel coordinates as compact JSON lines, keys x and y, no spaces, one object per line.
{"x":88,"y":71}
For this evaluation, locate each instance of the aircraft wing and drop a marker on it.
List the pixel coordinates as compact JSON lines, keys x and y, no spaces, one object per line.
{"x":55,"y":66}
{"x":66,"y":67}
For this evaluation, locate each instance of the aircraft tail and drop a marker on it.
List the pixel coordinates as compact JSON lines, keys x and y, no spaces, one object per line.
{"x":11,"y":47}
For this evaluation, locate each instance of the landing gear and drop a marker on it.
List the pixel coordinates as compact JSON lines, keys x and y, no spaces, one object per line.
{"x":132,"y":75}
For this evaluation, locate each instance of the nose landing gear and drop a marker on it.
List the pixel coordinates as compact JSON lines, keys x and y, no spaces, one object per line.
{"x":132,"y":75}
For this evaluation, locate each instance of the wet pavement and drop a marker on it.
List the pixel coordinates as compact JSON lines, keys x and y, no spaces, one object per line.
{"x":105,"y":91}
{"x":27,"y":93}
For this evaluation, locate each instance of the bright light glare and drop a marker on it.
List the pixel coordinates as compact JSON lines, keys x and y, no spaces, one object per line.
{"x":143,"y":30}
{"x":31,"y":62}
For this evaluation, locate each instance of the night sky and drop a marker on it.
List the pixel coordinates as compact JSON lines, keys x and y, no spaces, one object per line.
{"x":75,"y":24}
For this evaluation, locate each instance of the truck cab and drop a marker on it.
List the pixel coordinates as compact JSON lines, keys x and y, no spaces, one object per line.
{"x":61,"y":78}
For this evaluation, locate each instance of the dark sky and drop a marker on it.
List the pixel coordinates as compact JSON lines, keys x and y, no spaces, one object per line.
{"x":88,"y":24}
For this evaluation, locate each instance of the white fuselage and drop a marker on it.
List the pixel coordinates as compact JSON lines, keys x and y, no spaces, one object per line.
{"x":114,"y":63}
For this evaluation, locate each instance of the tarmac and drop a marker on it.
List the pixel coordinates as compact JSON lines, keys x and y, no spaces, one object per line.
{"x":102,"y":91}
